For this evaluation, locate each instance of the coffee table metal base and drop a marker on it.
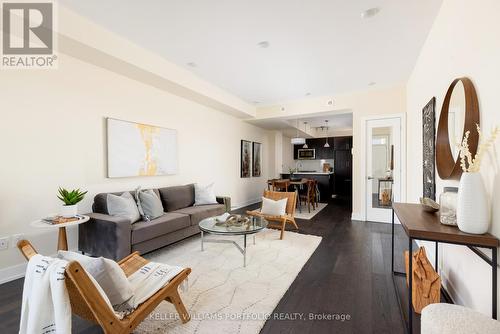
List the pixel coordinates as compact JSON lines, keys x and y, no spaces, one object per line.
{"x":243,"y":250}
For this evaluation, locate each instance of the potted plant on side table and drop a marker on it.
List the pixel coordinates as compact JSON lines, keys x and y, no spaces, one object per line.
{"x":70,"y":200}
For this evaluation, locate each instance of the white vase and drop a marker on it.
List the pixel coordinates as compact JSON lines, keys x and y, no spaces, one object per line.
{"x":68,"y":211}
{"x":473,"y":209}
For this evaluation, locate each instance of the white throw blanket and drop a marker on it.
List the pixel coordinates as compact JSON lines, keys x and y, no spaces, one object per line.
{"x":146,"y":282}
{"x":46,"y":307}
{"x":149,"y":279}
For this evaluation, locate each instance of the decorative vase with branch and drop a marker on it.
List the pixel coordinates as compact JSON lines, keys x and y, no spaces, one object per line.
{"x":70,"y":200}
{"x":473,"y":210}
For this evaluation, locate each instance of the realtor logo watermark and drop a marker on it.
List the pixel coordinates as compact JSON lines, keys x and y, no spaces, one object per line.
{"x":28,"y":35}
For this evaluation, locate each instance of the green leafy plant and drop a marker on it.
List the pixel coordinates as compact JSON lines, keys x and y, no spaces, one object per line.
{"x":71,"y":197}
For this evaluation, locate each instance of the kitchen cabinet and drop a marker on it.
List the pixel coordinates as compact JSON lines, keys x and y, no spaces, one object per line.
{"x":342,"y":143}
{"x":343,"y":172}
{"x":318,"y":145}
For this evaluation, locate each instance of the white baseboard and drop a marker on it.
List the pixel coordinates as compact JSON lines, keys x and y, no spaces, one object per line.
{"x":358,"y":216}
{"x":12,"y":273}
{"x":17,"y":271}
{"x":246,"y":203}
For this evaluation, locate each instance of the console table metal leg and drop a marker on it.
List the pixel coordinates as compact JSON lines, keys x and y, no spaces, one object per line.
{"x":436,"y":258}
{"x":392,"y":248}
{"x":245,"y":250}
{"x":410,"y":286}
{"x":494,"y":266}
{"x":202,"y":241}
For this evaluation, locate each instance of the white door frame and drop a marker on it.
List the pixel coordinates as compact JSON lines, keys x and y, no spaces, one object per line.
{"x":364,"y":172}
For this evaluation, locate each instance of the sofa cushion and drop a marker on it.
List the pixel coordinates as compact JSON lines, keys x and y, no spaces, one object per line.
{"x":123,"y":206}
{"x":178,"y":197}
{"x":204,"y":195}
{"x":149,"y":204}
{"x":169,"y":222}
{"x":100,"y":205}
{"x":198,"y":213}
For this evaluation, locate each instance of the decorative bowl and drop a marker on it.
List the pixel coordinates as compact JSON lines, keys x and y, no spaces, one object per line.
{"x":429,"y":205}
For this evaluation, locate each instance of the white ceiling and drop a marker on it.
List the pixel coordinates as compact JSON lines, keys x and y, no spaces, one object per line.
{"x":338,"y":121}
{"x":321,"y":47}
{"x":335,"y":121}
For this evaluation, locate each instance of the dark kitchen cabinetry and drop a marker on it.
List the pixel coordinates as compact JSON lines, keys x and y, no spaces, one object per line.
{"x":318,"y":145}
{"x":343,"y":172}
{"x":342,"y":143}
{"x":340,"y":151}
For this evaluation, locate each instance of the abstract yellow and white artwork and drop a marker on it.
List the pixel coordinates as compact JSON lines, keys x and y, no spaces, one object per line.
{"x":136,"y":149}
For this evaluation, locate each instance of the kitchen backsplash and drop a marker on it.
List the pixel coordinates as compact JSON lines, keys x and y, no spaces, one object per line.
{"x":310,"y":165}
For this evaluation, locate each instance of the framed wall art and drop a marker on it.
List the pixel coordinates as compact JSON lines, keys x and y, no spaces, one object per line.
{"x":246,"y":156}
{"x":256,"y":159}
{"x":136,"y":149}
{"x":428,"y":148}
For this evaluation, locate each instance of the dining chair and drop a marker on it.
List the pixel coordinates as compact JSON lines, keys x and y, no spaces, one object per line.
{"x":309,"y":194}
{"x":281,"y":185}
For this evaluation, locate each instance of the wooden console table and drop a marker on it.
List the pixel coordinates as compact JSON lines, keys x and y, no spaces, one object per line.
{"x":421,"y":225}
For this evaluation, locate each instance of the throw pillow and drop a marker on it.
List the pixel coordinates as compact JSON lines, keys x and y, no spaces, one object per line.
{"x":107,"y":274}
{"x":123,"y":206}
{"x":273,"y":208}
{"x":204,"y":194}
{"x":149,"y":204}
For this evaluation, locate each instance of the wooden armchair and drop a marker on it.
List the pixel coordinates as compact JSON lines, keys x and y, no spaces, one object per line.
{"x":88,"y":303}
{"x":281,"y":221}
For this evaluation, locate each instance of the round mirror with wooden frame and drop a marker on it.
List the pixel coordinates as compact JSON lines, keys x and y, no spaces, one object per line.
{"x":461,"y":108}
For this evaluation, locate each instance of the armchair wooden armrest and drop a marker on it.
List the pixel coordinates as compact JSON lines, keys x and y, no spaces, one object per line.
{"x":260,"y":214}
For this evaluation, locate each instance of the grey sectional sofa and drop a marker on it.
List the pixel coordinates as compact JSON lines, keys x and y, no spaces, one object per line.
{"x":115,"y":237}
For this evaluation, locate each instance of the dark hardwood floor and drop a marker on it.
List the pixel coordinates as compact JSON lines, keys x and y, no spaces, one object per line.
{"x":347,"y":276}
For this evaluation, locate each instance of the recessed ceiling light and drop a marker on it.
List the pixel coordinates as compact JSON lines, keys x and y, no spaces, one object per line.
{"x":372,"y":83}
{"x":263,"y":44}
{"x":191,"y":64}
{"x":370,"y":12}
{"x":308,"y":94}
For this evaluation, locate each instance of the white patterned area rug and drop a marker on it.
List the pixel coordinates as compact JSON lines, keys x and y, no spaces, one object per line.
{"x":305,"y":214}
{"x":223,"y":296}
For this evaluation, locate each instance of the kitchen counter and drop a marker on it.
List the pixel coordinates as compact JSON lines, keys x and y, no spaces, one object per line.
{"x":325,"y":182}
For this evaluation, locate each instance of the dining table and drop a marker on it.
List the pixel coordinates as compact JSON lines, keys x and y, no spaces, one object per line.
{"x":297,"y":184}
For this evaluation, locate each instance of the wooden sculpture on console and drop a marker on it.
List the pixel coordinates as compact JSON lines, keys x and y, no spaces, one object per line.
{"x":426,"y":282}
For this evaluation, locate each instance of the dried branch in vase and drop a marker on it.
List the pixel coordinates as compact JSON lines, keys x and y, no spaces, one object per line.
{"x":472,"y":165}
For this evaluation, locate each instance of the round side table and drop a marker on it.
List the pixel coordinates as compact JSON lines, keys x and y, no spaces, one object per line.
{"x":62,"y":241}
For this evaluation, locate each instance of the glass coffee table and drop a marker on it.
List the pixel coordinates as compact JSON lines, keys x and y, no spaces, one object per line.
{"x":212,"y":226}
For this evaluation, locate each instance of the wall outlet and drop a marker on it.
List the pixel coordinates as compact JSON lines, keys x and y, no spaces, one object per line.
{"x":4,"y":243}
{"x":15,"y":239}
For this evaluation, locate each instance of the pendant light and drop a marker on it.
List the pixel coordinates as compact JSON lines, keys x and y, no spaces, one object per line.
{"x":305,"y":144}
{"x":326,"y":128}
{"x":298,"y":140}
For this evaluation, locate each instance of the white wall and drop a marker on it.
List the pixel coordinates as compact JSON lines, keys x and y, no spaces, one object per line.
{"x":288,"y":161}
{"x":52,"y":134}
{"x":464,"y":41}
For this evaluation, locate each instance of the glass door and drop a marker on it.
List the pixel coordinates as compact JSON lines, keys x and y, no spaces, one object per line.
{"x":383,"y":167}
